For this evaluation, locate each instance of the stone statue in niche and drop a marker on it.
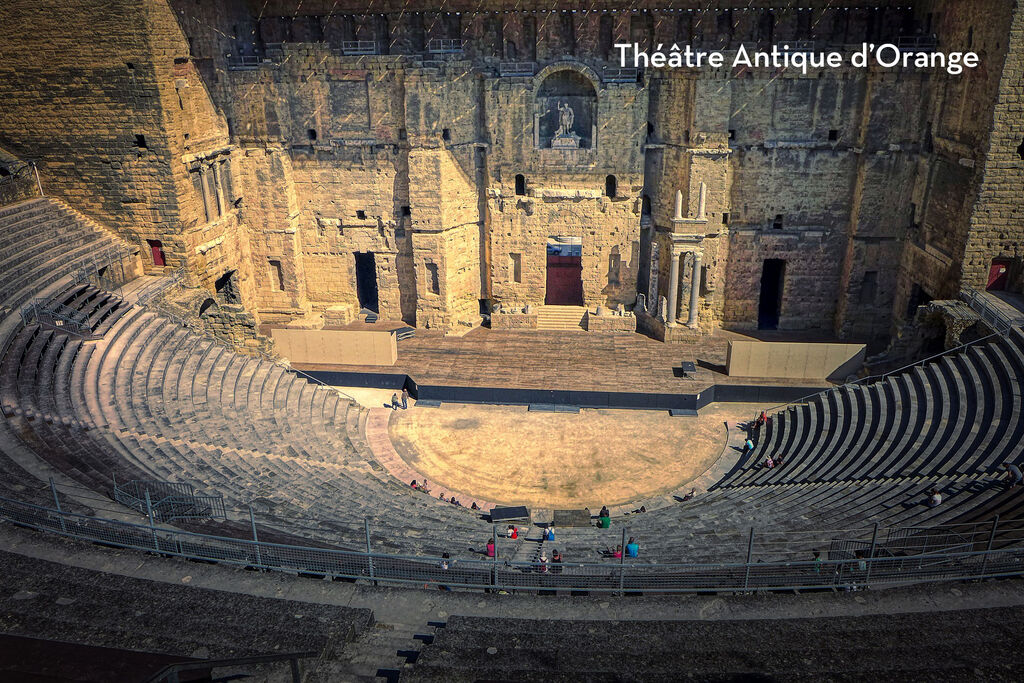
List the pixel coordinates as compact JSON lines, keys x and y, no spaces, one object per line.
{"x":565,"y":138}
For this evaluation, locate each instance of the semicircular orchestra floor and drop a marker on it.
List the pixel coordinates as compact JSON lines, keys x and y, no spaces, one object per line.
{"x":560,"y":460}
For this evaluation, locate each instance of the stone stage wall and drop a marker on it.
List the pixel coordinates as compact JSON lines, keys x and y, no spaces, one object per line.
{"x":255,"y":143}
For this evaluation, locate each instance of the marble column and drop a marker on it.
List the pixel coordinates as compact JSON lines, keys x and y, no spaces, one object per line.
{"x":694,"y":290}
{"x":673,"y":288}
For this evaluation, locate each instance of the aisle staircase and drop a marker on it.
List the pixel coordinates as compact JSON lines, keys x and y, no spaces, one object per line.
{"x":560,"y":317}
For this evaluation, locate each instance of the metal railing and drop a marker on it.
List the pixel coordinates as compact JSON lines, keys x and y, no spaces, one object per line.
{"x":446,"y":46}
{"x":620,"y":74}
{"x":981,"y":305}
{"x":165,"y":501}
{"x":872,"y":566}
{"x":244,"y":62}
{"x":21,"y":182}
{"x":927,"y":43}
{"x":56,"y":316}
{"x":797,"y":46}
{"x":871,"y":379}
{"x":512,"y":69}
{"x":170,"y":673}
{"x":359,"y":47}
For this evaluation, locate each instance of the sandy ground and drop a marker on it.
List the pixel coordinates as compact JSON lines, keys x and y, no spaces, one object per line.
{"x":561,"y":460}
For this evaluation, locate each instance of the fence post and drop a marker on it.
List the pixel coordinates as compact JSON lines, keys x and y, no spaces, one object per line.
{"x":39,"y":184}
{"x":56,"y":504}
{"x":750,"y":556}
{"x":369,"y":557}
{"x":871,"y":554}
{"x":152,"y":526}
{"x":988,"y":548}
{"x":494,"y":560}
{"x":622,"y":564}
{"x":256,"y":538}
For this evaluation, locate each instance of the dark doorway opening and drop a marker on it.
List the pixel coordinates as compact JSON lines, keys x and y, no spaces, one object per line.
{"x":366,"y":280}
{"x":773,"y":279}
{"x":564,"y":272}
{"x":998,"y":275}
{"x":227,"y":286}
{"x":918,"y":297}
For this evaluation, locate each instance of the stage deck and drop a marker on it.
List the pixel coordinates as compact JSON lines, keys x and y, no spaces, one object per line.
{"x":577,"y":361}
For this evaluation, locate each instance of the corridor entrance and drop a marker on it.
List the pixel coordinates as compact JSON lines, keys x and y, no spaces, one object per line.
{"x":564,"y":272}
{"x":366,"y":280}
{"x":773,"y":279}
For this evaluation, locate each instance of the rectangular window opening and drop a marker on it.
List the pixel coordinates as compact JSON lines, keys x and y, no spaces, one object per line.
{"x":516,"y":266}
{"x":433,"y":278}
{"x":276,"y":276}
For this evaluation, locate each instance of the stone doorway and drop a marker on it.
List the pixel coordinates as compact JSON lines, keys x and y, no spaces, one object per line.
{"x":564,"y":272}
{"x":366,"y":280}
{"x":773,"y":280}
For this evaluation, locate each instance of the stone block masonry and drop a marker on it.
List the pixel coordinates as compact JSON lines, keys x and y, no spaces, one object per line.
{"x":304,"y":182}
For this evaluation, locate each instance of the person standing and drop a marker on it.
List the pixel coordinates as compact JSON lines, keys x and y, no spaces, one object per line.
{"x":394,"y":402}
{"x":405,"y":399}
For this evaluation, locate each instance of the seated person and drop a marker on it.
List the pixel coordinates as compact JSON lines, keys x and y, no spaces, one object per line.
{"x":632,"y":548}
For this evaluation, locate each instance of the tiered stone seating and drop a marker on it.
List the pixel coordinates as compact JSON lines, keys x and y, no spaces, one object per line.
{"x":962,"y":644}
{"x":154,"y":400}
{"x":41,"y":244}
{"x":958,"y":415}
{"x":854,"y":456}
{"x":67,"y":603}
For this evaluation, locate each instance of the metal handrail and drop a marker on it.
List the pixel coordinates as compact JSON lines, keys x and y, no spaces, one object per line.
{"x":874,"y":378}
{"x":979,"y":305}
{"x":359,"y":47}
{"x":169,"y":672}
{"x":513,"y":69}
{"x":446,"y":46}
{"x":872,"y":567}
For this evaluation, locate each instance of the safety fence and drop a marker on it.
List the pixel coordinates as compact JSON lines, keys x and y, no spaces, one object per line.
{"x":166,"y":501}
{"x":844,"y":568}
{"x":19,"y":182}
{"x":56,"y":316}
{"x":985,"y":307}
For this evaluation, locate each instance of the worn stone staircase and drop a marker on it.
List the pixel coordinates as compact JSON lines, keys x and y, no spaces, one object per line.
{"x":560,"y":317}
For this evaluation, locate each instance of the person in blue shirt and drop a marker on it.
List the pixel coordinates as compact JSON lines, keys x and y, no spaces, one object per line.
{"x":632,"y":548}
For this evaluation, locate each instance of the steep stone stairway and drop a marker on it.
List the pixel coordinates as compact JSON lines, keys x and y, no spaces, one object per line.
{"x":560,"y":317}
{"x":381,"y":653}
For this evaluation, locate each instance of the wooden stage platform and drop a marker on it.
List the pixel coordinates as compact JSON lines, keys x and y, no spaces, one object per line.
{"x":577,"y":361}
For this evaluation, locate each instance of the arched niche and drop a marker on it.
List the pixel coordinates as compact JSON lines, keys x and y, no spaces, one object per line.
{"x":566,"y":108}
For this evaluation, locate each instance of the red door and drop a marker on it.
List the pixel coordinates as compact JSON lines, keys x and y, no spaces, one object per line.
{"x":565,"y":281}
{"x":156,"y":247}
{"x":998,"y":274}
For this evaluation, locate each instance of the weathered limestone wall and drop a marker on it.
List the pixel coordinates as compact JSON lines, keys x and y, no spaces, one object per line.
{"x":997,"y":219}
{"x":271,"y":154}
{"x":958,"y":115}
